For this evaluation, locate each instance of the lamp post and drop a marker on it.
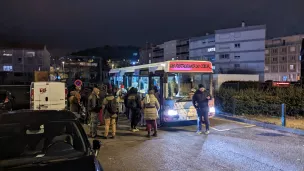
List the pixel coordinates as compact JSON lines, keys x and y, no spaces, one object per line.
{"x":62,"y":69}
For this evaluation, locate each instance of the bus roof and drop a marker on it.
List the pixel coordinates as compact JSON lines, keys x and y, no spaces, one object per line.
{"x":182,"y":66}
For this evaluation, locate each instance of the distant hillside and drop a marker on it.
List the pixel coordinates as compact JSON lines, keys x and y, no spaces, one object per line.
{"x":111,"y":52}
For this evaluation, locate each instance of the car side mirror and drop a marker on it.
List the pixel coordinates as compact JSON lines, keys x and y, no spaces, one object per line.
{"x":96,"y":146}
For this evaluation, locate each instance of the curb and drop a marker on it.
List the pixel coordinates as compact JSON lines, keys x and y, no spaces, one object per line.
{"x":262,"y":124}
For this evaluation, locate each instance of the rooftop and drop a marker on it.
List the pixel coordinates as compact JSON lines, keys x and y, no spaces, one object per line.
{"x":246,"y":28}
{"x":15,"y":45}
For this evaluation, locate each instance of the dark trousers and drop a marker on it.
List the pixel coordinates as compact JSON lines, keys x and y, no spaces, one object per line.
{"x":127,"y":112}
{"x":203,"y":118}
{"x":151,"y":123}
{"x":135,"y":118}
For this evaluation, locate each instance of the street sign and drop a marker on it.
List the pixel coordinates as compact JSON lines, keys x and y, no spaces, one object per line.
{"x":78,"y":83}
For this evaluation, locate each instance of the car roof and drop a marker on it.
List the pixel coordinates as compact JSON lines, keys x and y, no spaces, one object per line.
{"x":30,"y":116}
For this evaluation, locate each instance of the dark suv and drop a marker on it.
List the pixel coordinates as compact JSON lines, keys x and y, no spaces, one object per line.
{"x":45,"y":140}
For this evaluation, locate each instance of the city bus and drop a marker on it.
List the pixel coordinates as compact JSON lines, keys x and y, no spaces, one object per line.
{"x":175,"y":80}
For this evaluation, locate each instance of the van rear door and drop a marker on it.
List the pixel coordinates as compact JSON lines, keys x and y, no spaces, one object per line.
{"x":41,"y":96}
{"x":57,"y":96}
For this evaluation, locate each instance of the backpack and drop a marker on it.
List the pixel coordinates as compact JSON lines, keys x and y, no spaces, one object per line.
{"x":132,"y":102}
{"x":112,"y":106}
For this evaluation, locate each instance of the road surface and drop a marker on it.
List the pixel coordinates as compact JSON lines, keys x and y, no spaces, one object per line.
{"x":229,"y":146}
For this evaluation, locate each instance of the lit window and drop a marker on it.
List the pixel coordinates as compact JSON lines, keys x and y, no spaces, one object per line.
{"x":292,"y":49}
{"x":149,"y":55}
{"x":29,"y":54}
{"x":266,"y":51}
{"x":7,"y":68}
{"x":266,"y":68}
{"x":237,"y":45}
{"x":135,"y":54}
{"x":291,"y":67}
{"x":7,"y":54}
{"x":211,"y":49}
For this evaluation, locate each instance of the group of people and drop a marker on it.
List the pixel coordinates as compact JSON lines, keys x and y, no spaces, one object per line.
{"x":147,"y":107}
{"x":113,"y":102}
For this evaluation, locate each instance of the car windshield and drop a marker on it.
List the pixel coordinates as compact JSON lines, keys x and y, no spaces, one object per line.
{"x":28,"y":143}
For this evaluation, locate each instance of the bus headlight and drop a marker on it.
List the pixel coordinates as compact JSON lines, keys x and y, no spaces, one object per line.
{"x":172,"y":112}
{"x":211,"y":109}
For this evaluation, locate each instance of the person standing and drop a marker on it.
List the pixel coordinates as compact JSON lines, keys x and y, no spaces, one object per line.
{"x":110,"y":110}
{"x":151,"y":107}
{"x":74,"y":103}
{"x":127,"y":109}
{"x":94,"y":109}
{"x":134,"y":104}
{"x":200,"y":101}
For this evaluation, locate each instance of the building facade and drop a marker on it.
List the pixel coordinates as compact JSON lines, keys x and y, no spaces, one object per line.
{"x":182,"y":49}
{"x":145,"y":55}
{"x":202,"y":48}
{"x":241,"y":50}
{"x":170,"y":50}
{"x":89,"y":69}
{"x":19,"y":61}
{"x":282,"y":58}
{"x":157,"y":54}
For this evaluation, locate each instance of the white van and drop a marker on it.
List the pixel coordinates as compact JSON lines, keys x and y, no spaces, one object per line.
{"x":48,"y":96}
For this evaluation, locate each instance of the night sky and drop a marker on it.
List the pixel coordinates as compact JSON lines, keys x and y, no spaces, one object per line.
{"x":91,"y":23}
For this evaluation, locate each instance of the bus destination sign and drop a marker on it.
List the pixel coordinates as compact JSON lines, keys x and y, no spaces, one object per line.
{"x":184,"y":66}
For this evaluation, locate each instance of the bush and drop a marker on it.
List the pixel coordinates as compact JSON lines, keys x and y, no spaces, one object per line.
{"x":253,"y":101}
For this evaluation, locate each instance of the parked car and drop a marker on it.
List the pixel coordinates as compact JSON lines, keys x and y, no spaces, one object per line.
{"x":45,"y":140}
{"x":6,"y":101}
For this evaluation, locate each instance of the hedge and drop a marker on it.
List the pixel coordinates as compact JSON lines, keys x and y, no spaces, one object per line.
{"x":257,"y":102}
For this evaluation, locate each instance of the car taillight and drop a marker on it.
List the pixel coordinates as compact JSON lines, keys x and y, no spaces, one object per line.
{"x":32,"y":95}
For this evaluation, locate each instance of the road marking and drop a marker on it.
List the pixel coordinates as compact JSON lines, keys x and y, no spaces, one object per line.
{"x":241,"y":123}
{"x":220,"y":130}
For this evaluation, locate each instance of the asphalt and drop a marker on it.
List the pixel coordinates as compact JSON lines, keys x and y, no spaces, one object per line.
{"x":229,"y":146}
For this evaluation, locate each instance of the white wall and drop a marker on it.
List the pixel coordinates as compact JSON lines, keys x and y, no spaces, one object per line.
{"x":221,"y":78}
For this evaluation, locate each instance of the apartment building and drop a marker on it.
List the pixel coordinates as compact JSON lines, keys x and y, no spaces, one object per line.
{"x":170,"y":50}
{"x":145,"y":54}
{"x":240,"y":50}
{"x":182,"y":49}
{"x":202,"y":48}
{"x":282,"y":58}
{"x":19,"y":61}
{"x":157,"y":54}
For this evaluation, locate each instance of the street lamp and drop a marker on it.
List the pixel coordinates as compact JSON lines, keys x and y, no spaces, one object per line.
{"x":63,"y":65}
